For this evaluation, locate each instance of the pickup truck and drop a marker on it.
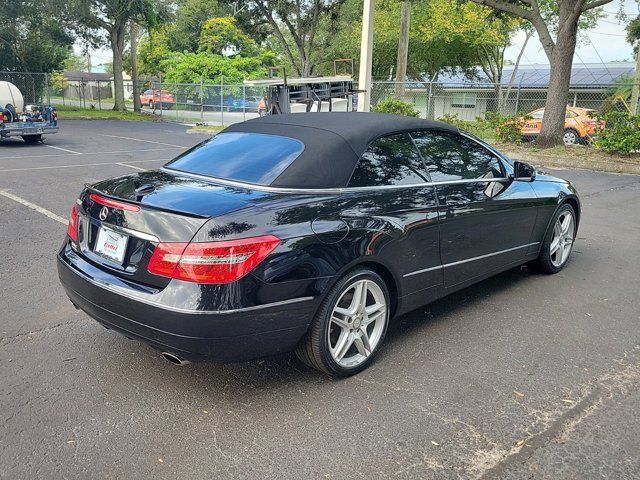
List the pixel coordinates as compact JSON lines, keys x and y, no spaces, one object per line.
{"x":30,"y":122}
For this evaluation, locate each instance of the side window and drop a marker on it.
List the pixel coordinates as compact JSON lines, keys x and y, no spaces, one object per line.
{"x":391,"y":160}
{"x":455,"y":157}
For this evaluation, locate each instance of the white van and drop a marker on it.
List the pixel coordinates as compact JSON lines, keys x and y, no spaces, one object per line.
{"x":30,"y":122}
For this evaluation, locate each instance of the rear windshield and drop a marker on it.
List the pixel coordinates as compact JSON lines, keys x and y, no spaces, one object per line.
{"x":244,"y":157}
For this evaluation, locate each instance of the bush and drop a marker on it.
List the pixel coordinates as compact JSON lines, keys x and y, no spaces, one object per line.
{"x":508,"y":128}
{"x":620,"y":134}
{"x":395,"y":106}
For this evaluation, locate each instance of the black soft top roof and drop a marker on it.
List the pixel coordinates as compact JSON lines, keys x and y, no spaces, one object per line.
{"x":333,"y":142}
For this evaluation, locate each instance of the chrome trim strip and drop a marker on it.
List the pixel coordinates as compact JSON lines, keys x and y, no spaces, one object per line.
{"x":135,"y":233}
{"x":480,"y":257}
{"x":153,"y":303}
{"x":328,"y":191}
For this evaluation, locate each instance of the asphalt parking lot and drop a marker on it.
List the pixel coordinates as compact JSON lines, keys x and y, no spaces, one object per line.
{"x":522,"y":376}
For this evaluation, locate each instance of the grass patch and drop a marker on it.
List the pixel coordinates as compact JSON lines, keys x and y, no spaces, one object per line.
{"x":212,"y":129}
{"x":575,"y":156}
{"x":67,"y":112}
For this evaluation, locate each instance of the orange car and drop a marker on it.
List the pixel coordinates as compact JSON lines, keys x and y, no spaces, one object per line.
{"x":157,"y":99}
{"x":579,"y":126}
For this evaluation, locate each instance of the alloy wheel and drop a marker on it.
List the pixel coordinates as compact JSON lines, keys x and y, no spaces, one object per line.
{"x":562,"y":239}
{"x":357,"y":323}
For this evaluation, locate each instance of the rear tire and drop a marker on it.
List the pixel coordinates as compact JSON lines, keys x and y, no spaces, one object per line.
{"x":558,"y":241}
{"x":349,"y":326}
{"x":151,"y":105}
{"x":32,"y":138}
{"x":571,"y":137}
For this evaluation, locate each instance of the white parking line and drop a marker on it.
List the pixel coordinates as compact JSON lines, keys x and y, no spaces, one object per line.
{"x":33,"y":206}
{"x":17,"y":157}
{"x":131,"y":166}
{"x":54,"y":167}
{"x":141,"y":140}
{"x":64,"y":149}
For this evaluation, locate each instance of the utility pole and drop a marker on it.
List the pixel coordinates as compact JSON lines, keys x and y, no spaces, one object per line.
{"x":366,"y":57}
{"x":403,"y":48}
{"x":635,"y":89}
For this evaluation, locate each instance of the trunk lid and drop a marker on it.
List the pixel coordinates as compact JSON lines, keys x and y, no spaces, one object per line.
{"x":122,"y":220}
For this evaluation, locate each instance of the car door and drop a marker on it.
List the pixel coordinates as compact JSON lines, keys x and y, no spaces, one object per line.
{"x":533,"y":125}
{"x":486,"y":218}
{"x":389,"y":191}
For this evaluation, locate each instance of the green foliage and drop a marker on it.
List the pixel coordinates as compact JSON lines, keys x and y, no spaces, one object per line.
{"x":621,"y":133}
{"x":220,"y":35}
{"x":188,"y":67}
{"x":154,"y":48}
{"x":507,"y":128}
{"x":33,"y":37}
{"x":395,"y":106}
{"x":494,"y":127}
{"x":184,"y":31}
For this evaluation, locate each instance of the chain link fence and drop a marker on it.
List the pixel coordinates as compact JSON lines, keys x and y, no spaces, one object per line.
{"x":224,"y":104}
{"x":470,"y":102}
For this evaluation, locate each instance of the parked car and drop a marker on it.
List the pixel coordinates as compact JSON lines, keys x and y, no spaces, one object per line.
{"x":154,"y":98}
{"x":307,"y":232}
{"x":579,"y":126}
{"x":31,"y":122}
{"x":247,"y":104}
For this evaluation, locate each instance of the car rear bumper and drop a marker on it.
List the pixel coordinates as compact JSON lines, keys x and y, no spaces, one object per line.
{"x":223,"y":336}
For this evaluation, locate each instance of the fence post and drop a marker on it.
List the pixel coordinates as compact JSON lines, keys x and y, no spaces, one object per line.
{"x":99,"y":95}
{"x":518,"y":98}
{"x":46,"y":81}
{"x":244,"y":102}
{"x":222,"y":101}
{"x":154,"y":105}
{"x":428,"y":112}
{"x":201,"y":99}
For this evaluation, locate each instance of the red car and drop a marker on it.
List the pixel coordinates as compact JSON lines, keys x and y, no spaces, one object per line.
{"x":157,"y":99}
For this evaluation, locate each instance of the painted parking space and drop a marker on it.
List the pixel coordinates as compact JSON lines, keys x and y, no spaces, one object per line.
{"x":459,"y":388}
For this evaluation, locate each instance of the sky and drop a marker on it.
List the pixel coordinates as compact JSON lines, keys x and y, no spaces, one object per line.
{"x":604,"y":43}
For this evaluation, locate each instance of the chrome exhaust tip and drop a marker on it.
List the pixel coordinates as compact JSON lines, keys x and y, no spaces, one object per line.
{"x":176,"y":360}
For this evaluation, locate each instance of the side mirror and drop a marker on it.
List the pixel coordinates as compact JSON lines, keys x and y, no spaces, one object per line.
{"x":523,"y":172}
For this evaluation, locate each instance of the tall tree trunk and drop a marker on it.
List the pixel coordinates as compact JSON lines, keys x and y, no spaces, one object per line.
{"x":117,"y":37}
{"x":403,"y":48}
{"x":559,"y":82}
{"x":635,"y":89}
{"x":137,"y":106}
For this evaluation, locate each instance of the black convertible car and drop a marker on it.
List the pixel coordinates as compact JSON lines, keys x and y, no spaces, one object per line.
{"x":307,"y":232}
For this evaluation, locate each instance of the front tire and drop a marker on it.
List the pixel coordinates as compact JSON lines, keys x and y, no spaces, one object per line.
{"x":350,"y":325}
{"x":558,"y":241}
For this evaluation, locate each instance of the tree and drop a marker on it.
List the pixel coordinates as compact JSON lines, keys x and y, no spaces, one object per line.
{"x":33,"y":36}
{"x":633,"y":37}
{"x":556,"y":22}
{"x":444,"y":35}
{"x":403,"y":47}
{"x":221,"y":35}
{"x":113,"y":17}
{"x":190,"y":16}
{"x":294,"y":24}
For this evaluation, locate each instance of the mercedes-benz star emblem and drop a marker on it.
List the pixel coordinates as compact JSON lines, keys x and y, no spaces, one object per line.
{"x":104,"y":211}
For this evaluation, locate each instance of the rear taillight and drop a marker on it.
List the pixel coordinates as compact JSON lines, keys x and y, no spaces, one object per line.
{"x":211,"y":262}
{"x":72,"y":227}
{"x":109,"y":202}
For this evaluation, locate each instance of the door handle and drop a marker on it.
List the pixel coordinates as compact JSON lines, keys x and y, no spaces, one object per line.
{"x":456,"y":200}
